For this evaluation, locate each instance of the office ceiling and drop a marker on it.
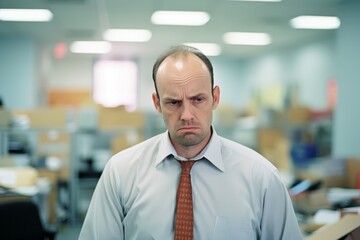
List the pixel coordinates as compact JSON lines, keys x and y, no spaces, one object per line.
{"x":87,"y":19}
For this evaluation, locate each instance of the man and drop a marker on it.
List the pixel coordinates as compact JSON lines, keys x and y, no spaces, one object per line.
{"x":236,"y":193}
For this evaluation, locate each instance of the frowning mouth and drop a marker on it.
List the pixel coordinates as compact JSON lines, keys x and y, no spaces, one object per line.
{"x":188,"y":128}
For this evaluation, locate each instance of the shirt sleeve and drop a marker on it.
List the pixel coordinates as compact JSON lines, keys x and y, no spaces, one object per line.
{"x":104,"y":218}
{"x":278,"y":220}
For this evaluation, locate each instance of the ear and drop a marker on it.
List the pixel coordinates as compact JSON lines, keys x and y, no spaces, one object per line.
{"x":156,"y":102}
{"x":216,"y":97}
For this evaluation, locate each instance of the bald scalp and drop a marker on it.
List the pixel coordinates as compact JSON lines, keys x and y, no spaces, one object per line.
{"x":182,"y":51}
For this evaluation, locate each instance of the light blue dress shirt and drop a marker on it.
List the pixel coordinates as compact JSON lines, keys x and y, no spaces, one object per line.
{"x":237,"y":194}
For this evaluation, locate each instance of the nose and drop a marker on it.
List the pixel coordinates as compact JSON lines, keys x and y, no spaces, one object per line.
{"x":187,"y":112}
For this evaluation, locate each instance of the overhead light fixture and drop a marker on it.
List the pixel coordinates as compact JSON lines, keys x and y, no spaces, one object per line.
{"x":95,"y":47}
{"x":209,"y":49}
{"x":127,"y":35}
{"x":25,"y":15}
{"x":185,"y":18}
{"x":255,"y":0}
{"x":247,"y":38}
{"x":315,"y":22}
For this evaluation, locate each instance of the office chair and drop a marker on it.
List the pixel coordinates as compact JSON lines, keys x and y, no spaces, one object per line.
{"x":20,"y":220}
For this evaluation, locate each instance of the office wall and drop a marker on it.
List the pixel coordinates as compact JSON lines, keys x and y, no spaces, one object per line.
{"x":309,"y":66}
{"x":18,"y":72}
{"x":347,"y":114}
{"x":228,"y":74}
{"x":71,"y":73}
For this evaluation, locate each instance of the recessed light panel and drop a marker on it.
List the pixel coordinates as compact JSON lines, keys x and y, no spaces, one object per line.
{"x":247,"y":38}
{"x":209,"y":49}
{"x":25,"y":15}
{"x":315,"y":22}
{"x":95,"y":47}
{"x":185,"y":18}
{"x":255,"y":0}
{"x":127,"y":35}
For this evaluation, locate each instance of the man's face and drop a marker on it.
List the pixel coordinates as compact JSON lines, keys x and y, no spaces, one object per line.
{"x":186,"y":99}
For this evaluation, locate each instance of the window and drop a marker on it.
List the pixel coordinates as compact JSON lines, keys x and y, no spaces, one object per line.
{"x":115,"y":83}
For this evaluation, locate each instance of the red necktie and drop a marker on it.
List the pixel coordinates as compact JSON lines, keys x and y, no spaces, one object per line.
{"x":184,"y":223}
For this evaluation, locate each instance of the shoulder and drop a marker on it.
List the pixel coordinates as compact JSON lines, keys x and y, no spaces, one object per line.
{"x":243,"y":161}
{"x":245,"y":156}
{"x":127,"y":164}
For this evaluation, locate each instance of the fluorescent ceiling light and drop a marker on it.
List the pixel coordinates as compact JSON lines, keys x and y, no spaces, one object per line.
{"x":255,"y":0}
{"x":315,"y":22}
{"x":186,"y":18}
{"x":97,"y":47}
{"x":209,"y":49}
{"x":25,"y":15}
{"x":127,"y":35}
{"x":247,"y":38}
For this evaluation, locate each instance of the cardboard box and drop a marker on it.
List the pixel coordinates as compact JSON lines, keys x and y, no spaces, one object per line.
{"x":122,"y":142}
{"x":17,"y":177}
{"x":273,"y":145}
{"x":352,"y":173}
{"x":55,"y":144}
{"x":298,"y":115}
{"x":45,"y":117}
{"x":309,"y":202}
{"x":347,"y":228}
{"x":112,"y":118}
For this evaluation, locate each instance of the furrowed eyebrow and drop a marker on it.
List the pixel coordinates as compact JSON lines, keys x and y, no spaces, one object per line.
{"x":171,"y":99}
{"x":198,"y":95}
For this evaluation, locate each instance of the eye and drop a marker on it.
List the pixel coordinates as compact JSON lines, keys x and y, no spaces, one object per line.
{"x":173,"y":102}
{"x":198,"y":99}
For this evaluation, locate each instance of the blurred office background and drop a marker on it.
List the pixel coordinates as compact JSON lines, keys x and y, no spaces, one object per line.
{"x":76,"y":87}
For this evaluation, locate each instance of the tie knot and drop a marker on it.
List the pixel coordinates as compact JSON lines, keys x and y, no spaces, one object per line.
{"x":186,"y":166}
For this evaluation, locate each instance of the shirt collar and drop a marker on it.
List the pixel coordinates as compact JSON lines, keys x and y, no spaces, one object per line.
{"x":212,"y":152}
